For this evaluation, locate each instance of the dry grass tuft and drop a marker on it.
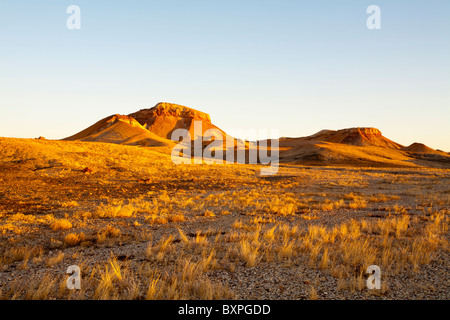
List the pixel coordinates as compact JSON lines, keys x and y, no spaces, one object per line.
{"x":73,"y":239}
{"x":60,"y":224}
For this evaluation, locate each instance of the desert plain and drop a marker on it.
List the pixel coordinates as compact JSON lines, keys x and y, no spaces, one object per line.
{"x":142,"y":227}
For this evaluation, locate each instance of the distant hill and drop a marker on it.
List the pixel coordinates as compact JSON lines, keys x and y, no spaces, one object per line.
{"x":361,"y":146}
{"x":356,"y":137}
{"x":421,"y":148}
{"x":358,"y":146}
{"x":151,"y":127}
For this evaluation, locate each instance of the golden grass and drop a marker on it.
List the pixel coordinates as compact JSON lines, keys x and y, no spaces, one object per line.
{"x":60,"y":224}
{"x":226,"y":220}
{"x":22,"y":254}
{"x":343,"y":251}
{"x":52,"y":261}
{"x":249,"y":252}
{"x":114,"y":211}
{"x":73,"y":239}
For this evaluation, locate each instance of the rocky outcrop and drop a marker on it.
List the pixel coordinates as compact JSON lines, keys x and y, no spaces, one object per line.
{"x":163,"y":109}
{"x":358,"y":136}
{"x":152,"y":127}
{"x":365,"y":146}
{"x":164,"y":118}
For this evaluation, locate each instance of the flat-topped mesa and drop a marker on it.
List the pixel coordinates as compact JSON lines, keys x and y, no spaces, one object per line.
{"x":362,"y":130}
{"x":359,"y":136}
{"x":165,"y":109}
{"x":164,"y":118}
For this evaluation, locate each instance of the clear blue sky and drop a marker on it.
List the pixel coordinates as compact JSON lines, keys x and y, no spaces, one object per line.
{"x":296,"y":66}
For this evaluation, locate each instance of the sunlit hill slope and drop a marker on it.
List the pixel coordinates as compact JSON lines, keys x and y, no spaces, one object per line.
{"x":153,"y":128}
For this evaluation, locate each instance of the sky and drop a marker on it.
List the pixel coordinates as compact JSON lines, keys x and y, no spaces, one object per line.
{"x":294,"y":66}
